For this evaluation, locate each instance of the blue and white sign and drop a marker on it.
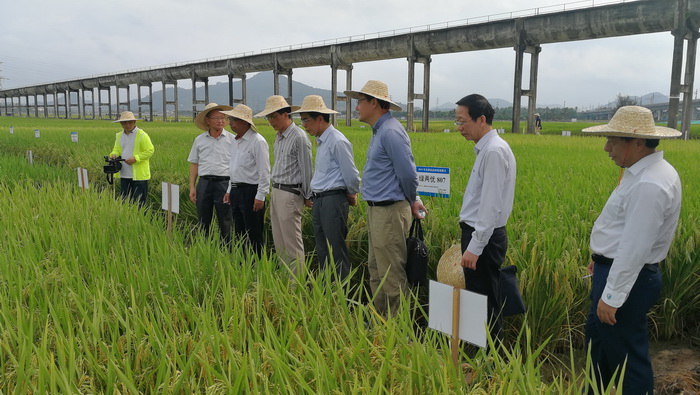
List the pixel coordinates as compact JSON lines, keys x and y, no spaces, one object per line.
{"x":74,"y":137}
{"x":433,"y":181}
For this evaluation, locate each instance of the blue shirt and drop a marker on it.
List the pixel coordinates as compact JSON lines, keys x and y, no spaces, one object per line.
{"x":390,"y":172}
{"x":335,"y":163}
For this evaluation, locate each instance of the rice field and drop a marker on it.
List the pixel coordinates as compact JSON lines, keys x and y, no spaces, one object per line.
{"x":95,"y":298}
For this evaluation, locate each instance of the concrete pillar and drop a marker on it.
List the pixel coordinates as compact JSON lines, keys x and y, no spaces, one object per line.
{"x":145,"y":102}
{"x":101,"y":103}
{"x":74,"y":103}
{"x":89,"y":103}
{"x":534,"y":52}
{"x":676,"y":69}
{"x":123,"y":104}
{"x":335,"y":98}
{"x":518,"y":91}
{"x":55,"y":105}
{"x":517,"y":87}
{"x":413,"y":96}
{"x":195,"y":100}
{"x":276,"y":74}
{"x":688,"y":83}
{"x":64,"y":105}
{"x":232,"y":99}
{"x":174,"y":102}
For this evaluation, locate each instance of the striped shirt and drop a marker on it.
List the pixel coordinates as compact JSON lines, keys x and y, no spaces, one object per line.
{"x":293,"y":159}
{"x":212,"y":154}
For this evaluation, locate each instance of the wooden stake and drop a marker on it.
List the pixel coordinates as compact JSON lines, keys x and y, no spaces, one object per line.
{"x":454,"y":346}
{"x":170,"y":211}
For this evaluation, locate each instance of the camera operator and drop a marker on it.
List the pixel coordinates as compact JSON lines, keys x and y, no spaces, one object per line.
{"x":135,"y":146}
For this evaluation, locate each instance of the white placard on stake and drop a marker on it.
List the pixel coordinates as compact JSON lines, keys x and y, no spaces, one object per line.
{"x":433,"y":181}
{"x":175,"y":197}
{"x":472,"y":313}
{"x":83,"y":178}
{"x":37,"y":133}
{"x":30,"y":157}
{"x":12,"y":130}
{"x":74,"y":137}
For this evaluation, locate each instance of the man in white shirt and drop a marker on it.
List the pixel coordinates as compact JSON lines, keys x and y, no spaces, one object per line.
{"x":250,"y":177}
{"x":487,"y":204}
{"x":629,"y":239}
{"x":209,"y":160}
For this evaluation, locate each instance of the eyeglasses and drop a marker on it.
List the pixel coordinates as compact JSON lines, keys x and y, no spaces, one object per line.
{"x":272,"y":116}
{"x":305,"y":120}
{"x":459,"y":123}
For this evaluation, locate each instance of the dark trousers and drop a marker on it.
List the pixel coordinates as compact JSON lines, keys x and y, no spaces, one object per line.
{"x":247,"y":223}
{"x":210,"y":196}
{"x":136,"y":191}
{"x":330,"y":221}
{"x":628,"y":339}
{"x":484,"y":280}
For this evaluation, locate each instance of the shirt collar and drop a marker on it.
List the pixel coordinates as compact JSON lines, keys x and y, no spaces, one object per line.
{"x":646,"y":162}
{"x":247,"y":134}
{"x":485,"y":140}
{"x":380,"y":121}
{"x":326,"y":134}
{"x":284,"y":133}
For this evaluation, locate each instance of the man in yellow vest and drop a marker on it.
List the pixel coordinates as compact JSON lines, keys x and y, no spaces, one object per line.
{"x":135,"y":147}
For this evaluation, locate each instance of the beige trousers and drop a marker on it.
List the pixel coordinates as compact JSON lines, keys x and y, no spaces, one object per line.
{"x":286,"y":211}
{"x":388,"y":229}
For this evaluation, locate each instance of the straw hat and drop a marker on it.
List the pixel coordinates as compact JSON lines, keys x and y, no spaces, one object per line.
{"x":449,"y":270}
{"x":314,"y":103}
{"x":633,"y":121}
{"x":376,"y":89}
{"x":537,"y":114}
{"x":126,"y":116}
{"x":243,"y":113}
{"x":199,"y":119}
{"x":275,"y":103}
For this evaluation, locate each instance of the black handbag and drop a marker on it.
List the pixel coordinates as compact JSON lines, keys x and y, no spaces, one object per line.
{"x":417,"y":262}
{"x":510,"y":292}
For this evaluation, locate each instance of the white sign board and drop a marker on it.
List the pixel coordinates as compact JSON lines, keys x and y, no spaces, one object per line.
{"x":472,"y":313}
{"x":12,"y":130}
{"x":83,"y":178}
{"x":566,"y":132}
{"x":37,"y":134}
{"x":30,"y":157}
{"x":74,"y":137}
{"x":174,"y":197}
{"x":433,"y":181}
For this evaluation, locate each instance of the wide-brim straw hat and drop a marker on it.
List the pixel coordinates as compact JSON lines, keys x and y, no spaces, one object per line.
{"x":242,"y":112}
{"x":633,"y":121}
{"x":449,"y":269}
{"x":376,"y":89}
{"x":537,"y":114}
{"x":314,"y":103}
{"x":126,"y":116}
{"x":273,"y":104}
{"x":200,"y":120}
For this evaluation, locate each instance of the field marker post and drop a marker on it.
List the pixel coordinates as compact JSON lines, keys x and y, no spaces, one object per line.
{"x":30,"y":157}
{"x":82,"y":179}
{"x":170,"y":213}
{"x":170,"y":195}
{"x":454,"y":345}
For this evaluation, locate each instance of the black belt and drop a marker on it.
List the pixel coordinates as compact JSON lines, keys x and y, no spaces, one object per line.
{"x":383,"y":203}
{"x":603,"y":260}
{"x":215,"y":178}
{"x":243,"y":185}
{"x":288,"y":187}
{"x":469,"y":228}
{"x":315,"y":195}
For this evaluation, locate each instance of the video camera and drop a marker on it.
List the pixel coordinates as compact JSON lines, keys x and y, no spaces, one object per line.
{"x":113,"y":166}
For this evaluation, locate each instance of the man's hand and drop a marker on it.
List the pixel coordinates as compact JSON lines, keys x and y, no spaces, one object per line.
{"x":308,"y":203}
{"x":193,"y":195}
{"x":258,"y":205}
{"x":606,"y":314}
{"x":352,"y":199}
{"x":112,"y":156}
{"x":130,"y":161}
{"x":469,"y":260}
{"x":416,"y":208}
{"x":590,"y":267}
{"x":227,"y":196}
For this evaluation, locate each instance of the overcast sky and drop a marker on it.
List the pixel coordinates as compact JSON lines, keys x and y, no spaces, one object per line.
{"x":44,"y":41}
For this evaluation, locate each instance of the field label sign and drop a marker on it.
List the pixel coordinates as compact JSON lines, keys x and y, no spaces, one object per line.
{"x":37,"y":133}
{"x":472,"y":313}
{"x":433,"y":181}
{"x":171,"y":197}
{"x":83,"y":178}
{"x":12,"y":130}
{"x":74,"y":137}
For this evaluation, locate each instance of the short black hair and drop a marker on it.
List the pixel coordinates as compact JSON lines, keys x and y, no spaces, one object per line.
{"x":314,"y":115}
{"x":649,"y":143}
{"x":477,"y":106}
{"x":383,"y":104}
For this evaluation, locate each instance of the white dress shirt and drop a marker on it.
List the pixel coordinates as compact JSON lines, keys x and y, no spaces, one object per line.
{"x":488,"y":198}
{"x":637,"y":223}
{"x":212,"y":154}
{"x":250,"y":162}
{"x":127,"y":141}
